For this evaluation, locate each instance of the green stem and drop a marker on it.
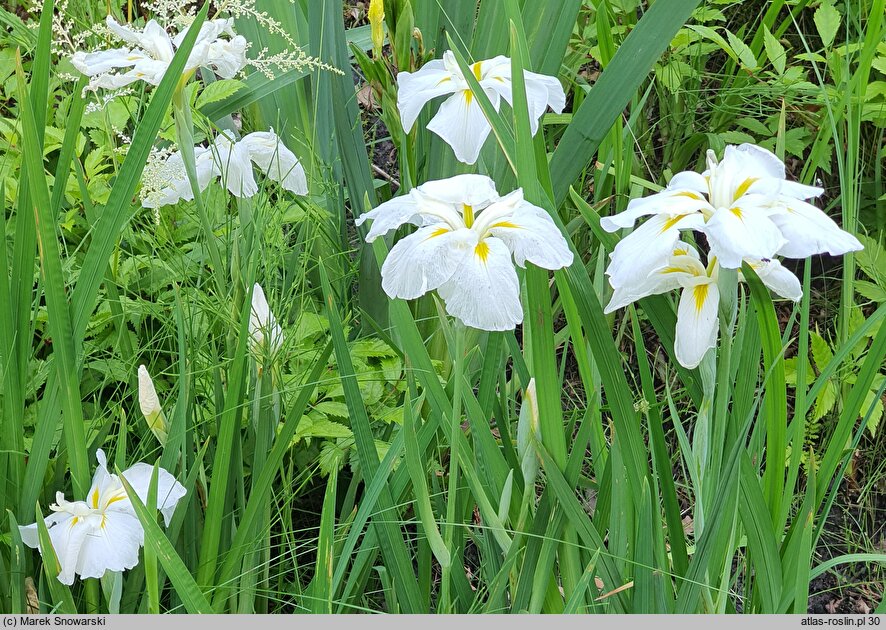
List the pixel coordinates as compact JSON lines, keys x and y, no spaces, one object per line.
{"x":452,"y":496}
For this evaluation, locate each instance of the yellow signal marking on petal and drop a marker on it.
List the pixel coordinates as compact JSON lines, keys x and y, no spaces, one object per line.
{"x":95,"y":498}
{"x":469,"y":96}
{"x":75,"y":520}
{"x":104,"y":518}
{"x":737,"y":212}
{"x":438,"y":232}
{"x":700,"y":293}
{"x":671,"y":223}
{"x":482,"y":251}
{"x":506,"y":224}
{"x":477,"y":70}
{"x":743,"y":187}
{"x":114,"y":499}
{"x":690,"y":195}
{"x":681,"y":252}
{"x":468,"y":213}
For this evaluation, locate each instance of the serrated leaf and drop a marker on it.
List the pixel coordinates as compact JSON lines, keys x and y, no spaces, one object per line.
{"x":876,"y":413}
{"x":825,"y":400}
{"x":827,"y":23}
{"x":821,"y":351}
{"x":745,"y":54}
{"x":774,"y":50}
{"x":218,"y":91}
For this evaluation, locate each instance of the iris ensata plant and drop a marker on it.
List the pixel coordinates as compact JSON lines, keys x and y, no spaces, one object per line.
{"x":460,"y":120}
{"x":166,"y":181}
{"x":748,"y":211}
{"x":467,"y":241}
{"x":102,"y":533}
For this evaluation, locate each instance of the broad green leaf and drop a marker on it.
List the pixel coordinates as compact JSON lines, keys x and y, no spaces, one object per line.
{"x":774,"y":50}
{"x":827,"y":22}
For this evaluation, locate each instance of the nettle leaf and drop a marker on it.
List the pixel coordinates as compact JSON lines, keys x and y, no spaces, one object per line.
{"x":821,"y":351}
{"x":218,"y":91}
{"x":825,"y":401}
{"x":774,"y":50}
{"x":827,"y":22}
{"x":332,"y":408}
{"x":871,"y":399}
{"x":333,"y":455}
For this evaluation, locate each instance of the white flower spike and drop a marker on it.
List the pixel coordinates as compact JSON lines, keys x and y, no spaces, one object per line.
{"x":151,"y":51}
{"x":103,"y":533}
{"x":460,"y":121}
{"x":264,"y":331}
{"x":463,"y":246}
{"x":743,"y":204}
{"x":697,"y":316}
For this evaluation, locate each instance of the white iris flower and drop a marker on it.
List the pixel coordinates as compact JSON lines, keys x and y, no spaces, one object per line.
{"x":463,"y":246}
{"x":233,"y":161}
{"x":743,"y":204}
{"x":103,"y":533}
{"x":460,"y":121}
{"x":697,"y":315}
{"x":149,"y":52}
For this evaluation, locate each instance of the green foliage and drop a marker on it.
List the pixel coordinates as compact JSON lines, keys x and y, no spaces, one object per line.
{"x":372,"y":462}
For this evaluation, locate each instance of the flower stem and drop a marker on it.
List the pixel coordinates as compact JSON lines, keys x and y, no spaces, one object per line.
{"x":452,"y":496}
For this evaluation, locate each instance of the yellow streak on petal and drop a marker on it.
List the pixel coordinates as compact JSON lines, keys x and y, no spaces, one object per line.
{"x":737,"y":212}
{"x":75,"y":520}
{"x":468,"y":213}
{"x":95,"y":498}
{"x":118,"y":497}
{"x":743,"y":187}
{"x":671,"y":223}
{"x":690,"y":195}
{"x":469,"y":96}
{"x":438,"y":232}
{"x":477,"y":70}
{"x":482,"y":251}
{"x":506,"y":224}
{"x":700,"y":293}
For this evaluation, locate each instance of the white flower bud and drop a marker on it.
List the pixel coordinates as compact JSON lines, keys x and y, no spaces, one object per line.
{"x":150,"y":405}
{"x":528,"y":434}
